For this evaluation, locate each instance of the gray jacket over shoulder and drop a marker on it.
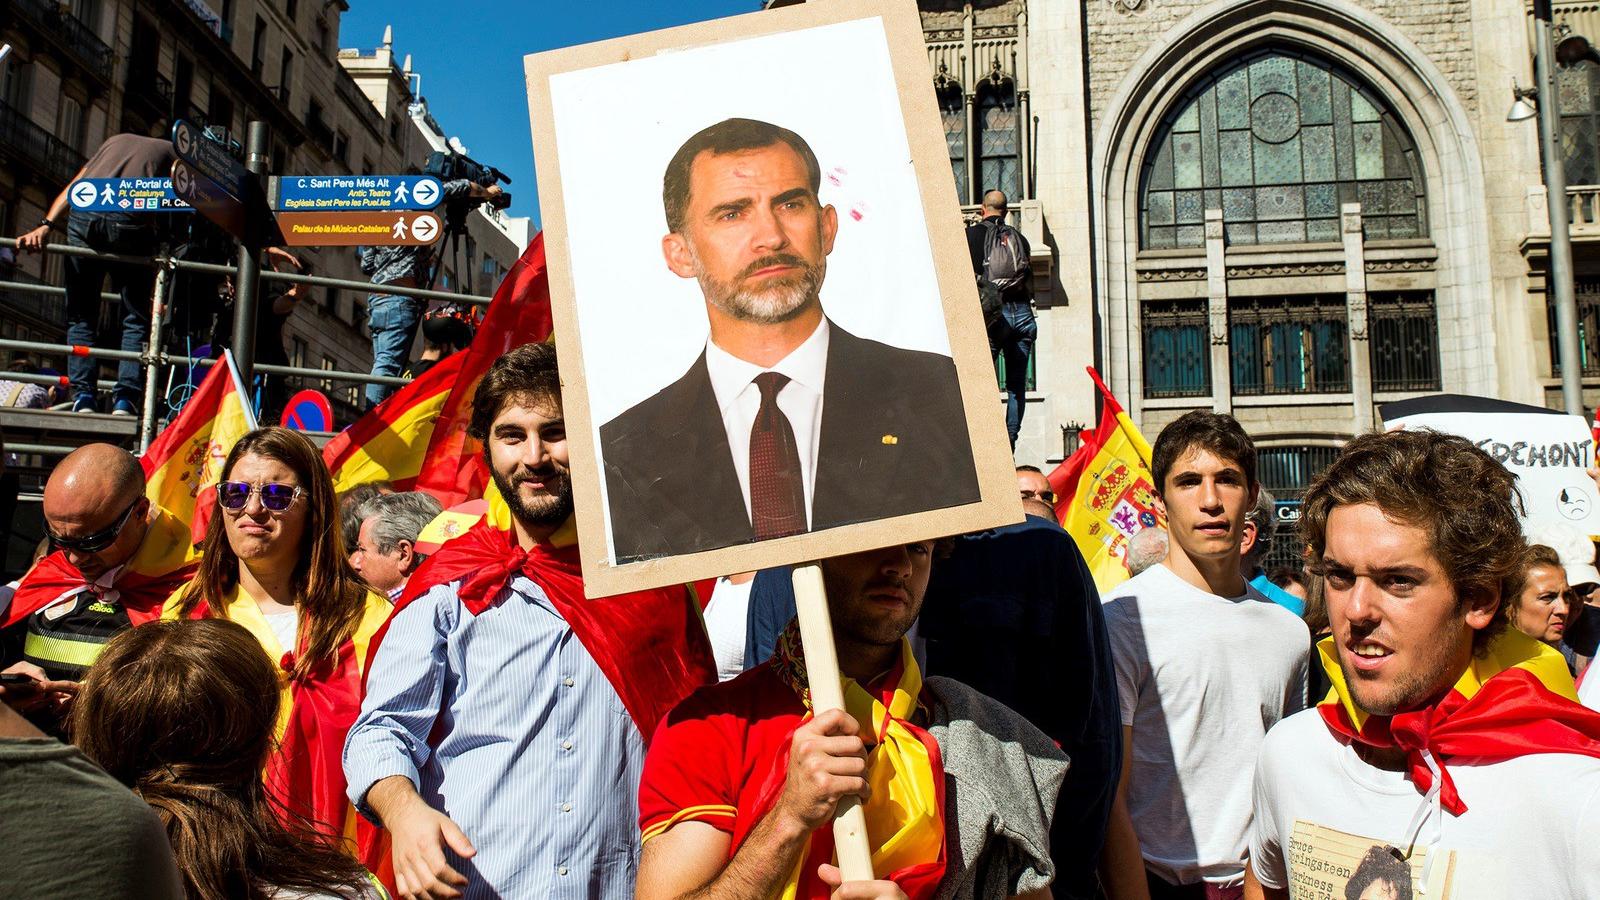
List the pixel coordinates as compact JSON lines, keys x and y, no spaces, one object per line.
{"x":1001,"y":777}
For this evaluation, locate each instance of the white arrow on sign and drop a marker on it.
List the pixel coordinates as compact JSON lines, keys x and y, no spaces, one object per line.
{"x":426,"y":192}
{"x":183,"y":139}
{"x":425,"y":228}
{"x":83,"y":194}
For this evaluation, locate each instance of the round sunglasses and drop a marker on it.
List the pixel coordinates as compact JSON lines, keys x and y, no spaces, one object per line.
{"x":235,"y":495}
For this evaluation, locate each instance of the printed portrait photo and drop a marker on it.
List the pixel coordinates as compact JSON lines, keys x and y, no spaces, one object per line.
{"x":762,"y":325}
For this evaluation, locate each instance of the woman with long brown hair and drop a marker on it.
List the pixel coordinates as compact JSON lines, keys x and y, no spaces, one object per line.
{"x":183,"y":713}
{"x":274,"y":562}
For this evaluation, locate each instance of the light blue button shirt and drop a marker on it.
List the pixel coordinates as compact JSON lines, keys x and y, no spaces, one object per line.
{"x":536,"y":758}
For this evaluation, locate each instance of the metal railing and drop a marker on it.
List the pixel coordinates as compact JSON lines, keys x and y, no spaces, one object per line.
{"x":33,"y":145}
{"x":76,"y":38}
{"x":154,"y":358}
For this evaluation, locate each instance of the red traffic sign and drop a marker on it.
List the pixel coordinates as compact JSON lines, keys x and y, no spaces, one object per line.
{"x":308,"y":411}
{"x":350,"y":229}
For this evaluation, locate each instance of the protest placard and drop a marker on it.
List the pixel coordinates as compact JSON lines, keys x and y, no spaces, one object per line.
{"x":765,"y":193}
{"x":1548,"y":451}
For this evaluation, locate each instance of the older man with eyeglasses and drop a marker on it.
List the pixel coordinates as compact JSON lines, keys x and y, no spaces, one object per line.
{"x":116,"y":557}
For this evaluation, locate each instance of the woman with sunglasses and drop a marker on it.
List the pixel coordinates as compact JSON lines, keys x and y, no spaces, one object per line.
{"x":274,"y":562}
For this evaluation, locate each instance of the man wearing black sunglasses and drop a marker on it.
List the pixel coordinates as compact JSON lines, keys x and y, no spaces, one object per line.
{"x":115,"y":558}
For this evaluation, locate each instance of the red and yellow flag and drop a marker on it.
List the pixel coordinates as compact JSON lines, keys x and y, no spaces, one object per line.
{"x":390,"y":441}
{"x":183,"y":465}
{"x":1105,"y":492}
{"x":453,"y":468}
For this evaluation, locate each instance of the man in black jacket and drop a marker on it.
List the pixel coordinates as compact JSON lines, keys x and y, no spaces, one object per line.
{"x":786,"y":423}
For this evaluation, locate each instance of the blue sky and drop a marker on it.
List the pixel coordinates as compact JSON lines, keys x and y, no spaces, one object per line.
{"x":470,"y":56}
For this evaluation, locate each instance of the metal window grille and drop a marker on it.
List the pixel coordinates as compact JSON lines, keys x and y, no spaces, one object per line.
{"x":1404,"y":346}
{"x":1289,"y":345}
{"x":1587,"y":293}
{"x":1287,"y":472}
{"x":1177,"y":356}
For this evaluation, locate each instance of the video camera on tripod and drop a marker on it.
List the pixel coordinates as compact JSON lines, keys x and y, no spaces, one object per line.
{"x":448,"y":166}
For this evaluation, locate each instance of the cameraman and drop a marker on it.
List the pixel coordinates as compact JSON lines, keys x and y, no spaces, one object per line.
{"x":392,"y":318}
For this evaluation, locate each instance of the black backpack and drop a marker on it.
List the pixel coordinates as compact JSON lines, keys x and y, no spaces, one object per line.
{"x":1005,"y":256}
{"x":994,"y":320}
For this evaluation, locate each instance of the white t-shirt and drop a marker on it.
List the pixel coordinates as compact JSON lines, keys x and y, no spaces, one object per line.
{"x":1201,"y":678}
{"x":727,"y":620}
{"x":1589,"y":689}
{"x":1529,"y":830}
{"x":283,"y":625}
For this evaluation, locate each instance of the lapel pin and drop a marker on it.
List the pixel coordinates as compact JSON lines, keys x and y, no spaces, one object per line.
{"x":891,"y":439}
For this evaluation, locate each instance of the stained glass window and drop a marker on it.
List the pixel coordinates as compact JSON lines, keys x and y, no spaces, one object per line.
{"x":1578,"y":97}
{"x":1278,"y":141}
{"x":999,"y":162}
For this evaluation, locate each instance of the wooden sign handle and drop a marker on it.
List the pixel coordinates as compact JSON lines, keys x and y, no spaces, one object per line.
{"x":822,"y":675}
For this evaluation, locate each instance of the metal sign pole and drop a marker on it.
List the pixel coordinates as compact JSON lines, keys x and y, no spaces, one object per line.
{"x":1559,"y":280}
{"x":244,"y":289}
{"x":152,"y":352}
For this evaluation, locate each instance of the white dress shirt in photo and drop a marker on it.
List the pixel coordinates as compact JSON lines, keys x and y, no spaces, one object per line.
{"x":738,"y":399}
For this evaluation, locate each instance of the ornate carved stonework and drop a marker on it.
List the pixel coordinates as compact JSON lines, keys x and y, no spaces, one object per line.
{"x":1218,"y":314}
{"x":1357,"y":313}
{"x":1197,"y":274}
{"x":1127,"y":6}
{"x":1400,"y":265}
{"x":1270,"y":270}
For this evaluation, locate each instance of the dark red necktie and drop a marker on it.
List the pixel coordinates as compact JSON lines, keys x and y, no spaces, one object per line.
{"x":777,"y":495}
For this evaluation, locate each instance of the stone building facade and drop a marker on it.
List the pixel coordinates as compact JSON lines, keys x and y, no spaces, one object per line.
{"x":81,"y":71}
{"x":1293,"y":211}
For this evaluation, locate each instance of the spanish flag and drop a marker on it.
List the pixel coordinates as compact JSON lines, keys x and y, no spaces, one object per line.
{"x":453,"y":469}
{"x":1516,"y":699}
{"x":388,"y":443}
{"x":184,"y":464}
{"x":1105,"y":492}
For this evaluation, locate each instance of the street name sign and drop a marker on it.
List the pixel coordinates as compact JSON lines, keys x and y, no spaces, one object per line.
{"x":130,"y":195}
{"x":350,"y":229}
{"x":356,"y":193}
{"x":209,"y":158}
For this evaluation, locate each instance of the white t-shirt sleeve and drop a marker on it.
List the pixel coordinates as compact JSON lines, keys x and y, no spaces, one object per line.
{"x":1128,"y":654}
{"x":1266,"y":843}
{"x":1295,"y":698}
{"x":1585,"y":875}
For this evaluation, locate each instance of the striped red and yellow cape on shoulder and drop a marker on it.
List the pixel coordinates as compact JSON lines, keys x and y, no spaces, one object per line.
{"x":306,"y":773}
{"x":1516,"y":699}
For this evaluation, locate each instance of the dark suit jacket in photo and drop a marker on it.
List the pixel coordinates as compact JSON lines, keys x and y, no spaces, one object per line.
{"x":893,"y":441}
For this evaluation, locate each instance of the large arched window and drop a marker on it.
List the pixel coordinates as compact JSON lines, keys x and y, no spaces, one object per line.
{"x":1278,"y":141}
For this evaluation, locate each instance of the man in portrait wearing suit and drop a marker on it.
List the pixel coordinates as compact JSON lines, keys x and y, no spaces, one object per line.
{"x":786,"y":423}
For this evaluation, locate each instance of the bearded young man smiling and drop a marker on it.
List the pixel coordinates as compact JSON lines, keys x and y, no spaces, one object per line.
{"x":1450,"y":738}
{"x":496,"y":658}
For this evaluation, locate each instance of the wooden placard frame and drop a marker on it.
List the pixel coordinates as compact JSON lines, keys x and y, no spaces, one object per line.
{"x":998,"y":502}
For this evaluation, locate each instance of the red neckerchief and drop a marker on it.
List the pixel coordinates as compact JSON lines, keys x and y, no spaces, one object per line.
{"x":1512,"y":712}
{"x":141,"y":595}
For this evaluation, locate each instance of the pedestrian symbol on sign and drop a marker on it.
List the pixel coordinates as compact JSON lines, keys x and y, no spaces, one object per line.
{"x":399,"y":229}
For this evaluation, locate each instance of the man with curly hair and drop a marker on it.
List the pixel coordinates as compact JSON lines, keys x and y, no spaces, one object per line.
{"x":1450,"y":739}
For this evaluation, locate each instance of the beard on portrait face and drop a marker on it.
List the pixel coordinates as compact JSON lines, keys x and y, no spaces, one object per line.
{"x":780,"y":300}
{"x":546,"y":511}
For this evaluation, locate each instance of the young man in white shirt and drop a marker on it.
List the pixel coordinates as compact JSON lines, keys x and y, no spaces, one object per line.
{"x":1205,"y":665}
{"x":1451,"y":759}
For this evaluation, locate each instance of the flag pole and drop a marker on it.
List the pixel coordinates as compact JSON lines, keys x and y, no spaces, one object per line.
{"x":822,"y":679}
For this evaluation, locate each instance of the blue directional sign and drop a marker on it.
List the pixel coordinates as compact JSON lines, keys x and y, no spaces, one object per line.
{"x":356,"y":193}
{"x":130,"y":195}
{"x":209,"y":158}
